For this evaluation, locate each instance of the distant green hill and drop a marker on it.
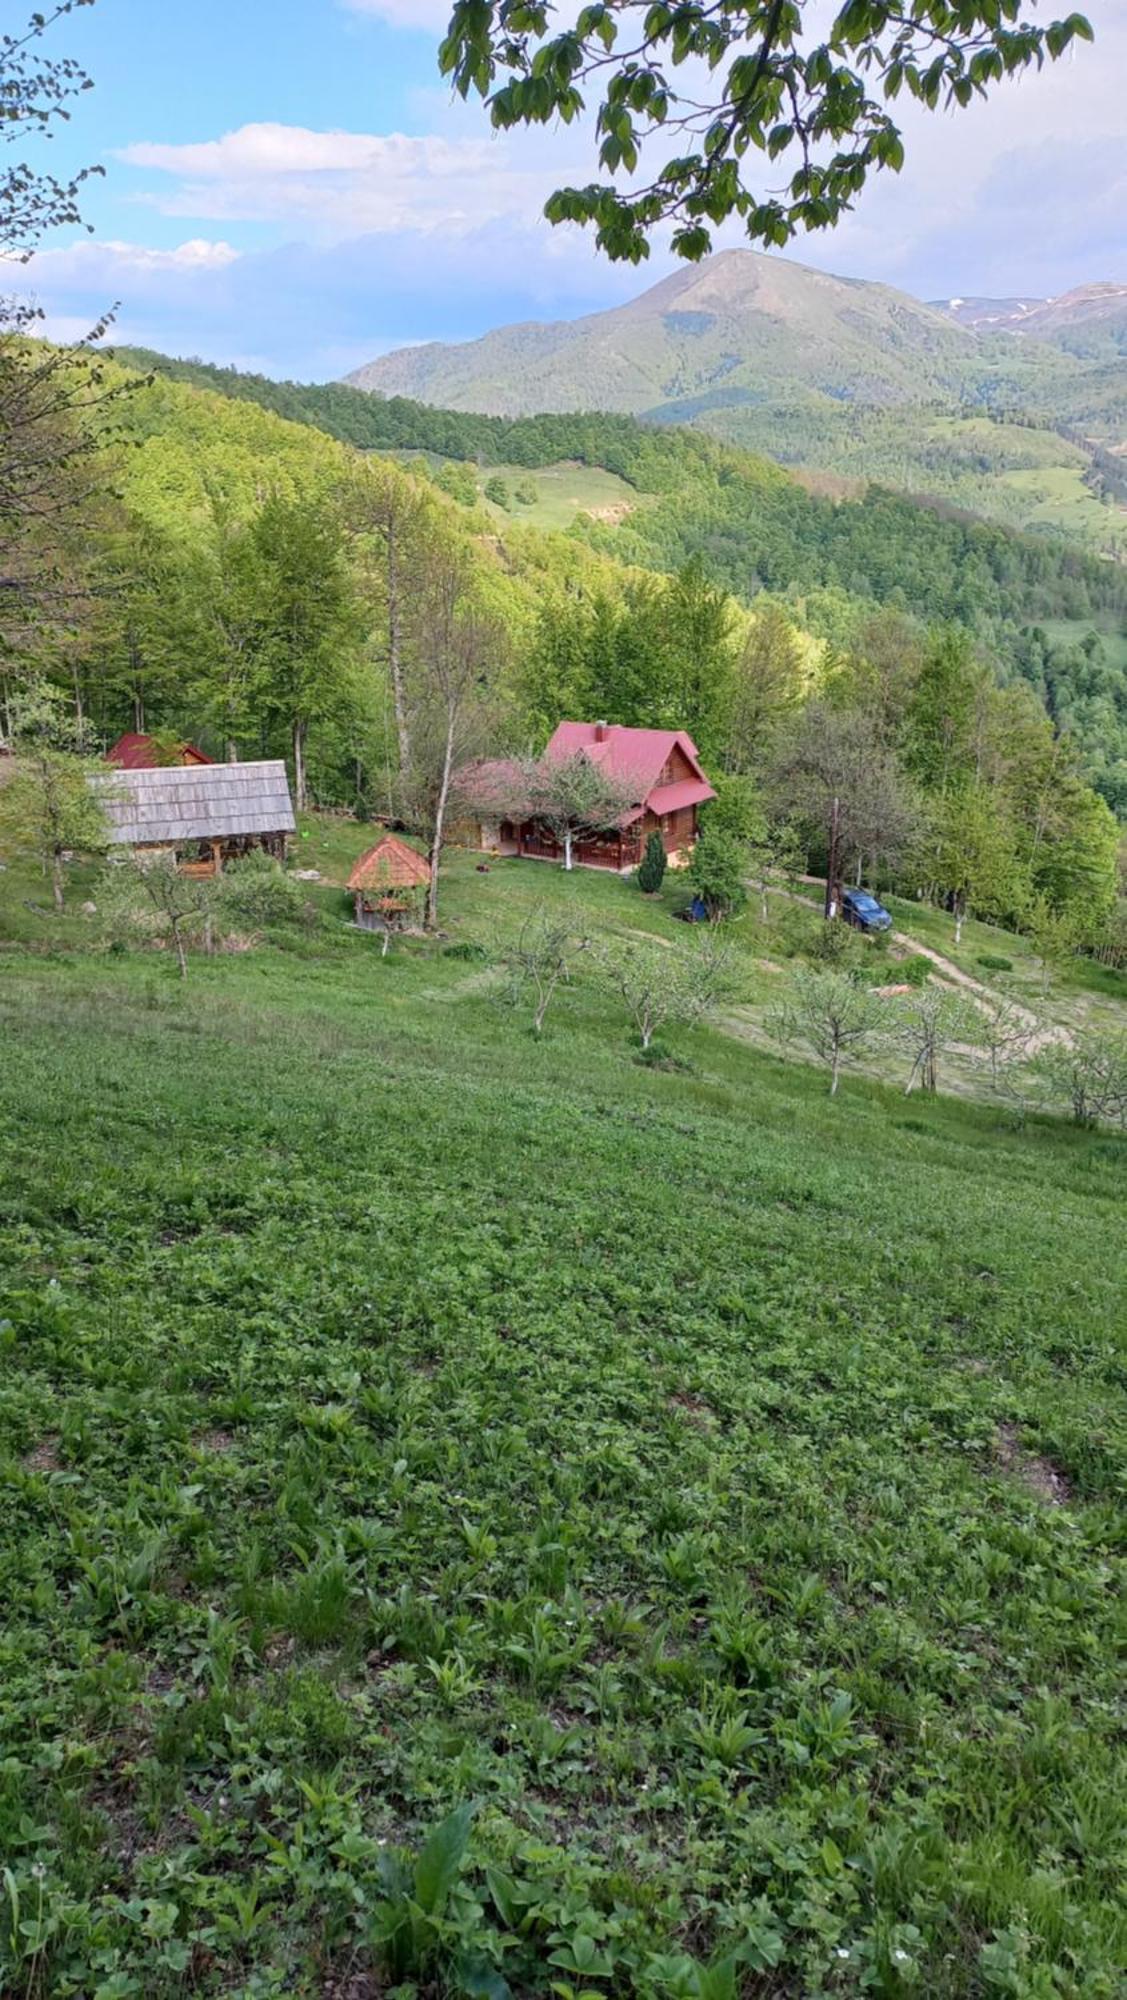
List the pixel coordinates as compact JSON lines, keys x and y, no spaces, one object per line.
{"x":831,"y":374}
{"x":657,"y":496}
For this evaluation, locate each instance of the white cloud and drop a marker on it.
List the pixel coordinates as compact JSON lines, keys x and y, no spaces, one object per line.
{"x":339,"y":184}
{"x":107,"y":257}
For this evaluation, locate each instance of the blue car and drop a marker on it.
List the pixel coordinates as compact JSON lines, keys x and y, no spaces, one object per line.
{"x":863,"y":911}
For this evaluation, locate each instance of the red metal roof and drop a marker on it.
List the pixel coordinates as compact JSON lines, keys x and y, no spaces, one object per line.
{"x":132,"y":752}
{"x":636,"y":757}
{"x":686,"y":792}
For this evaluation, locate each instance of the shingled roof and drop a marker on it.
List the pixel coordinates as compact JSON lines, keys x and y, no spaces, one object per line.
{"x":390,"y":864}
{"x":181,"y":802}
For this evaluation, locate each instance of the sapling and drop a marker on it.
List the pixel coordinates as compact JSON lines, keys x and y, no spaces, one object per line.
{"x":1089,"y":1074}
{"x":542,"y":958}
{"x":932,"y":1024}
{"x":833,"y":1016}
{"x":660,"y":985}
{"x":152,"y":895}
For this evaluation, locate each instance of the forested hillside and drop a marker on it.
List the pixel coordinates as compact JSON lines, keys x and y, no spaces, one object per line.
{"x":832,"y":375}
{"x":1038,"y":609}
{"x":261,"y":588}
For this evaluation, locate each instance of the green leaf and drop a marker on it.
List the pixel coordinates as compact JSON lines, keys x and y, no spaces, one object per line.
{"x":437,"y":1867}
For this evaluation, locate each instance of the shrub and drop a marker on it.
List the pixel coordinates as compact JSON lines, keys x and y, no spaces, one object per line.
{"x":256,"y":890}
{"x":651,"y":874}
{"x":992,"y":961}
{"x":914,"y":971}
{"x":716,"y":874}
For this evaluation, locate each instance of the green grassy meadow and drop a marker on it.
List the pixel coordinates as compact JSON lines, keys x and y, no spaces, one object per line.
{"x":718,"y":1488}
{"x":564,"y":492}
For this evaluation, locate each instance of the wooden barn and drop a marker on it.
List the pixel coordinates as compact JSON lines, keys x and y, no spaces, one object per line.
{"x":204,"y":814}
{"x":387,"y":883}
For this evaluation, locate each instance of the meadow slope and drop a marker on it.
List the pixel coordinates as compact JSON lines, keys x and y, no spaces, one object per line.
{"x":720,"y":1488}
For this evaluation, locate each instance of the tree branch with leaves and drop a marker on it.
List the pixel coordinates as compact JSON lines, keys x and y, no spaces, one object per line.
{"x":737,"y":85}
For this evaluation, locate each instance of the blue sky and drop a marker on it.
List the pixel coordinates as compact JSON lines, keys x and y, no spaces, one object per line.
{"x":289,"y":186}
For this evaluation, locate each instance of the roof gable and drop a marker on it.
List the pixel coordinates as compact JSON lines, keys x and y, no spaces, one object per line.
{"x":390,"y":864}
{"x":634,"y":756}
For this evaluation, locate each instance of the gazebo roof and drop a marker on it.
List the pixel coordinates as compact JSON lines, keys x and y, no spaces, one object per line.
{"x":390,"y":864}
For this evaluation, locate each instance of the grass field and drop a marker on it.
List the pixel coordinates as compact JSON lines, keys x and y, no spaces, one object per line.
{"x":564,"y":492}
{"x":719,"y":1489}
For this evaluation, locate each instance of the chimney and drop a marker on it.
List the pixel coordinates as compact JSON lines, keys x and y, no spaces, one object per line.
{"x":600,"y":732}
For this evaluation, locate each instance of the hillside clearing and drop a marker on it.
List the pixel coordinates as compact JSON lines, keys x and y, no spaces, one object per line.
{"x":397,"y":1412}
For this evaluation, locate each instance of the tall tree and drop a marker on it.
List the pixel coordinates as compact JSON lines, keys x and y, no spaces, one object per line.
{"x":850,"y":791}
{"x":305,"y":618}
{"x":49,"y":471}
{"x":47,"y":804}
{"x":698,"y":620}
{"x":763,"y":690}
{"x":388,"y":511}
{"x":450,"y":702}
{"x":769,"y":80}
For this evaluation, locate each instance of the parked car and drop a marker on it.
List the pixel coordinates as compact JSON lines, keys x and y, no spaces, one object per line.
{"x":863,"y":911}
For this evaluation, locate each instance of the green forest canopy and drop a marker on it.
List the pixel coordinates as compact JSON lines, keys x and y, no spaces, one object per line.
{"x":1042,"y":610}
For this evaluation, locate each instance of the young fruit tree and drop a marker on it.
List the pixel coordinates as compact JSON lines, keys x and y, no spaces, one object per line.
{"x":48,"y":806}
{"x":542,"y":960}
{"x":661,"y":986}
{"x":651,"y":874}
{"x":932,"y":1024}
{"x":151,"y":898}
{"x":1089,"y":1075}
{"x":832,"y":1016}
{"x":1006,"y":1032}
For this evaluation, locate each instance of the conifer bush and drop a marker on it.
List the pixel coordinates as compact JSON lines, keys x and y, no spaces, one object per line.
{"x":651,"y":873}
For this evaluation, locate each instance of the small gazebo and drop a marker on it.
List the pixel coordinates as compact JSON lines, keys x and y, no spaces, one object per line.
{"x":386,"y":884}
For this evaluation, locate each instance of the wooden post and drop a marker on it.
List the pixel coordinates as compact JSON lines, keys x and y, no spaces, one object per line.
{"x":833,"y":865}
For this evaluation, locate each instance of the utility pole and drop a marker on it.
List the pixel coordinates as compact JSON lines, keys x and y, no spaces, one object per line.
{"x":833,"y":864}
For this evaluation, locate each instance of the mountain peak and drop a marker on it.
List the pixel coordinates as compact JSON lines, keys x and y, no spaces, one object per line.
{"x":729,"y":327}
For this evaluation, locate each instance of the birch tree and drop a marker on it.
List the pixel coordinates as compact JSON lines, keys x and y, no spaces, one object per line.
{"x":449,"y":706}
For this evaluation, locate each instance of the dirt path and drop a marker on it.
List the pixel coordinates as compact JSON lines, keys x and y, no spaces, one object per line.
{"x":980,"y":995}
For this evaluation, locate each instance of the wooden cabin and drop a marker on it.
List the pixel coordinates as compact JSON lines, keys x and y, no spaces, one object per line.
{"x":387,"y":884}
{"x":204,"y":814}
{"x":660,"y":768}
{"x":134,"y":752}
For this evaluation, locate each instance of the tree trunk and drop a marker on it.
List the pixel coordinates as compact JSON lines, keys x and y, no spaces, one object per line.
{"x":299,"y":765}
{"x":181,"y":955}
{"x":57,"y":877}
{"x":567,"y":847}
{"x":959,"y":914}
{"x":835,"y":1072}
{"x":435,"y":855}
{"x":395,"y":650}
{"x":232,"y":751}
